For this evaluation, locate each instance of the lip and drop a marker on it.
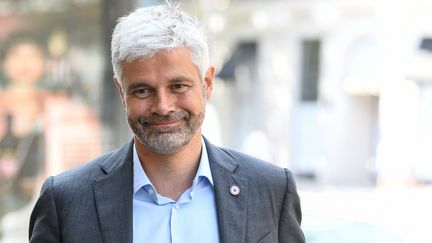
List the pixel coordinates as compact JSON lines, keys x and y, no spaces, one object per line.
{"x":161,"y":124}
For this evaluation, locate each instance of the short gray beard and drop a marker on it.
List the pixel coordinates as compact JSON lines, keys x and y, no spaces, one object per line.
{"x":166,"y":140}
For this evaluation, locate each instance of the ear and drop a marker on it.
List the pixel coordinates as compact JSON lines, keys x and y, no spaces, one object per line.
{"x":119,"y":86}
{"x":209,"y":79}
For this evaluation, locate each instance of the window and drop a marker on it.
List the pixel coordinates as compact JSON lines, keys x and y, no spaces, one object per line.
{"x":310,"y":70}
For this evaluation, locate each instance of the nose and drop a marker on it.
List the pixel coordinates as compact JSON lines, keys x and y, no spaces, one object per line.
{"x":163,"y":104}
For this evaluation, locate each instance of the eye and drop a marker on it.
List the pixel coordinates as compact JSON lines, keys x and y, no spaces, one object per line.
{"x":179,"y":88}
{"x":142,"y":93}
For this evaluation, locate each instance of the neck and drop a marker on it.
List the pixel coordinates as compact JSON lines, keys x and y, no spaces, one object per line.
{"x":171,"y":174}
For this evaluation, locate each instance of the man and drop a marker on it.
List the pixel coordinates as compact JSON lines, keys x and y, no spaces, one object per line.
{"x":169,"y":184}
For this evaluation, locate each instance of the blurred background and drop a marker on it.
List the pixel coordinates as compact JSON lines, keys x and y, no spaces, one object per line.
{"x":339,"y":91}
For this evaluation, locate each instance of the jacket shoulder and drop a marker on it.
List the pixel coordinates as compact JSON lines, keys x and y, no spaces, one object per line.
{"x":88,"y":172}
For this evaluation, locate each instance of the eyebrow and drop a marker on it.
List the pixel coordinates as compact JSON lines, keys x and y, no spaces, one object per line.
{"x":180,"y":78}
{"x":142,"y":83}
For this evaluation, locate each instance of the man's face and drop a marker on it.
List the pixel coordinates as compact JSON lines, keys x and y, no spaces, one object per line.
{"x":165,"y":99}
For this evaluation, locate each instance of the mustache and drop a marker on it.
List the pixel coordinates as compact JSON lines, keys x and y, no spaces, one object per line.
{"x":172,"y":116}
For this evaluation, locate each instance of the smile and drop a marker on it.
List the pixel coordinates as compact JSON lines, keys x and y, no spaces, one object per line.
{"x":164,"y":124}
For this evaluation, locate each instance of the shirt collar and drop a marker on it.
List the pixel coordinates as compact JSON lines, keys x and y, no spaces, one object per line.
{"x":140,"y":178}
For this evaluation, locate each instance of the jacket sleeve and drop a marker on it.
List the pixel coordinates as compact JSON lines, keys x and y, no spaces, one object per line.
{"x":291,"y":216}
{"x":44,"y":221}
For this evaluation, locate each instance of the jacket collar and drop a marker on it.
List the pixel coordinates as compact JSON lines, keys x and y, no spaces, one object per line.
{"x":231,"y":209}
{"x":113,"y":196}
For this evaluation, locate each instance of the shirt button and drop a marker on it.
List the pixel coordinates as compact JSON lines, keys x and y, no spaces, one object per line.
{"x":176,"y":206}
{"x":150,"y":191}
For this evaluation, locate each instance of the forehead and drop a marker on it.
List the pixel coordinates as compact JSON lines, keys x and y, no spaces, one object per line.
{"x":176,"y":61}
{"x":171,"y":55}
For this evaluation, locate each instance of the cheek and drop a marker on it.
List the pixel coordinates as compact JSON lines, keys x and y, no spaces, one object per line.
{"x":194,"y":103}
{"x":136,"y":109}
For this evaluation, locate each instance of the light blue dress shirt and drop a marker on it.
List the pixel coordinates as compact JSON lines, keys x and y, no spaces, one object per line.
{"x":158,"y":219}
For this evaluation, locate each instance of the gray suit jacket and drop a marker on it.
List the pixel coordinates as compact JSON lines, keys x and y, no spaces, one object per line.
{"x":93,"y":203}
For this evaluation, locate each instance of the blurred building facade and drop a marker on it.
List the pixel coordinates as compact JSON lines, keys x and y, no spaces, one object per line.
{"x":338,"y":90}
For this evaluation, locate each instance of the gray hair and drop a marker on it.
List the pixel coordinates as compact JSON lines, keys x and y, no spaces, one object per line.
{"x":149,"y":30}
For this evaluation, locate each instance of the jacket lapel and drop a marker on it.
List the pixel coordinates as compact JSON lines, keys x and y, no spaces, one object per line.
{"x":231,"y":209}
{"x":113,"y":196}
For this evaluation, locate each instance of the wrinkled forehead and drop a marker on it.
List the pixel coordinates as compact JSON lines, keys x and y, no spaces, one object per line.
{"x":174,"y":57}
{"x":184,"y":51}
